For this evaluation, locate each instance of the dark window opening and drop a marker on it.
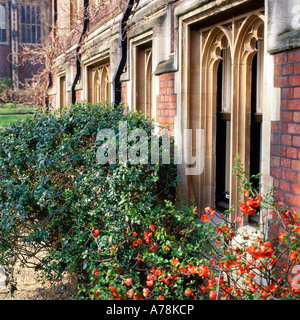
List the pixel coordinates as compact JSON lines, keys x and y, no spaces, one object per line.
{"x":222,"y":142}
{"x":255,"y":132}
{"x":31,"y":24}
{"x":3,"y":27}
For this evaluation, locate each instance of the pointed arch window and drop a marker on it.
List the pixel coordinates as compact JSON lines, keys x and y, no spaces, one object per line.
{"x":62,"y":89}
{"x":100,"y":85}
{"x":148,"y":82}
{"x":225,"y":90}
{"x":144,"y":78}
{"x":3,"y":27}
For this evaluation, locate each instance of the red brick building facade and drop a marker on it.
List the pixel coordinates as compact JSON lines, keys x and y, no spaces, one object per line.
{"x":22,"y":23}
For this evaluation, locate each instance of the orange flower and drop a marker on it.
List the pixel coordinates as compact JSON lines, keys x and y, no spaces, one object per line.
{"x":187,"y":292}
{"x":246,"y":193}
{"x":96,"y":232}
{"x":232,"y":233}
{"x":158,"y":272}
{"x":207,"y":209}
{"x":145,"y":292}
{"x":192,"y":269}
{"x":256,"y":202}
{"x":160,"y":298}
{"x":135,"y":234}
{"x":263,"y":293}
{"x":239,"y":219}
{"x":280,"y":236}
{"x":245,"y":211}
{"x":204,"y":218}
{"x":297,"y":229}
{"x":151,"y":227}
{"x":272,"y":287}
{"x":128,"y":282}
{"x":267,"y":244}
{"x":243,"y":206}
{"x":218,"y":243}
{"x":96,"y":272}
{"x":149,"y":283}
{"x":249,"y":202}
{"x":203,"y":289}
{"x":135,"y":243}
{"x":213,"y":295}
{"x":175,"y":262}
{"x":204,"y":271}
{"x":293,"y":255}
{"x":251,"y":210}
{"x":150,"y":276}
{"x":167,"y":248}
{"x":183,"y":269}
{"x":154,"y":247}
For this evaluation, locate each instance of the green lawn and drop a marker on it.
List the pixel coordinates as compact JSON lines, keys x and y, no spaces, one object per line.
{"x":7,"y":119}
{"x":16,"y":110}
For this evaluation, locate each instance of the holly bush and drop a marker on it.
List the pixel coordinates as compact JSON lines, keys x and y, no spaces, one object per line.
{"x":53,"y":190}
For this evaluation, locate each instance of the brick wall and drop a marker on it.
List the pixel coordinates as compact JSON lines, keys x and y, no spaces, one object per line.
{"x":166,"y":101}
{"x":124,"y":92}
{"x":105,"y":12}
{"x":26,"y":70}
{"x":4,"y":64}
{"x":285,"y":140}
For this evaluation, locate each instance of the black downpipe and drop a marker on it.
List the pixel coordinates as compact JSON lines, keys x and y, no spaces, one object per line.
{"x":78,"y":56}
{"x":55,"y":12}
{"x":123,"y":53}
{"x":47,"y":96}
{"x":50,"y":79}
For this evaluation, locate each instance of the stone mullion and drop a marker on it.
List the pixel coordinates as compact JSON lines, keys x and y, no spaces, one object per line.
{"x":241,"y":106}
{"x":209,"y":65}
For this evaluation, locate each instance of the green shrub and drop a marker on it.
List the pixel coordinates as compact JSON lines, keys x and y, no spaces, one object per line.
{"x":5,"y":84}
{"x":53,"y":191}
{"x":119,"y":227}
{"x":167,"y":253}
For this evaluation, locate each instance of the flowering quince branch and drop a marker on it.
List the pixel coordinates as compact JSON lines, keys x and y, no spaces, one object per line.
{"x":161,"y":261}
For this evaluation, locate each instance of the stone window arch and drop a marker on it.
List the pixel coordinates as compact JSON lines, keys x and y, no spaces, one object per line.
{"x":143,"y":77}
{"x":100,"y":84}
{"x":224,"y":99}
